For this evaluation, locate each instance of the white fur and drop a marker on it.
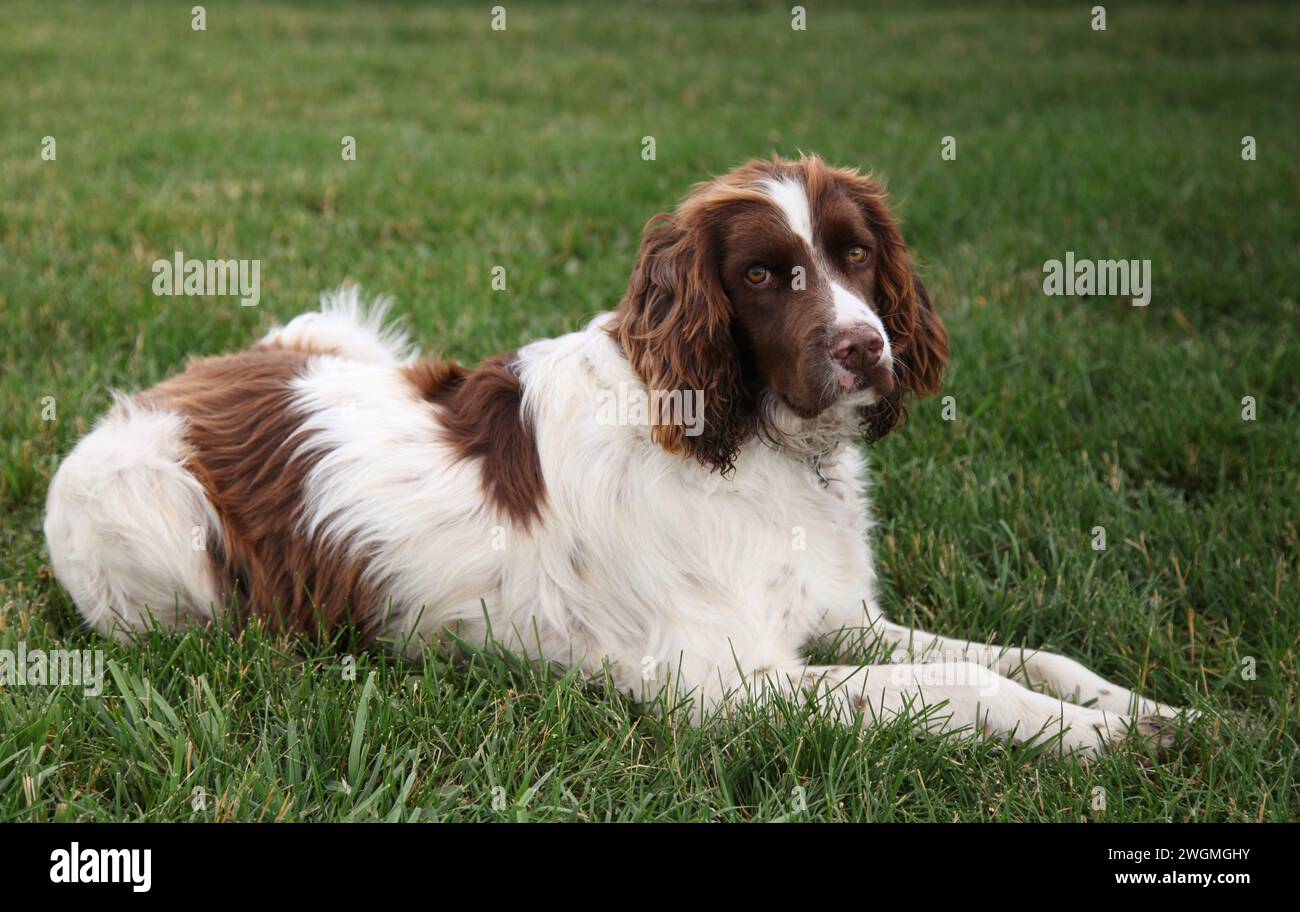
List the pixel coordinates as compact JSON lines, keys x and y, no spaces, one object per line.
{"x":790,"y":196}
{"x":385,"y":484}
{"x":642,"y":562}
{"x":347,"y":325}
{"x":851,"y":310}
{"x":129,"y":526}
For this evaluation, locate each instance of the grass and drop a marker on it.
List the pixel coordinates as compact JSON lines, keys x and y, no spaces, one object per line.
{"x":522,"y":148}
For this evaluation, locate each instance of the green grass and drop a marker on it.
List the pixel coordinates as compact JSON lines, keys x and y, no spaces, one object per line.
{"x":522,"y":149}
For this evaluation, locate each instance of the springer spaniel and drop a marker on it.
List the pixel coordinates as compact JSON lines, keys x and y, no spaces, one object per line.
{"x":329,"y":477}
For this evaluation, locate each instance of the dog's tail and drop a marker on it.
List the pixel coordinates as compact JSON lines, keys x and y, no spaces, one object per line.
{"x":347,"y":325}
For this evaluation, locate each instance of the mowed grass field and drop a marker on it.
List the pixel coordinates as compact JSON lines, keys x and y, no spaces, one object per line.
{"x":523,"y":148}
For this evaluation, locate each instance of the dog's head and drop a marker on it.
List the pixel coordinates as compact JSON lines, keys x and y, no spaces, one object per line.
{"x":784,"y":286}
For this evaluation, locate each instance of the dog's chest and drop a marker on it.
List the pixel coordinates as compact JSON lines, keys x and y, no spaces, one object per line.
{"x":800,"y":543}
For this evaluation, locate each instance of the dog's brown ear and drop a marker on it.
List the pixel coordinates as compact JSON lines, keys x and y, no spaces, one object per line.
{"x":917,"y":335}
{"x":926,"y":356}
{"x":674,"y":323}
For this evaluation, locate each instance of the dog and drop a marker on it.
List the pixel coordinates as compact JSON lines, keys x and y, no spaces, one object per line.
{"x":330,"y":477}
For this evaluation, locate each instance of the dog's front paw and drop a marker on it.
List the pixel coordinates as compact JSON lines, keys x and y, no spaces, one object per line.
{"x":1165,"y":711}
{"x":1159,"y":732}
{"x":1107,"y":731}
{"x":1092,"y":733}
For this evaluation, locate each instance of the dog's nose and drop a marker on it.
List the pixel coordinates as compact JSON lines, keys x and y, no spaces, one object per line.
{"x":858,"y":348}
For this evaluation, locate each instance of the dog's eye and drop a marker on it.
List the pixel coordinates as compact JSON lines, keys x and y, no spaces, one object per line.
{"x":758,"y":275}
{"x":857,"y":255}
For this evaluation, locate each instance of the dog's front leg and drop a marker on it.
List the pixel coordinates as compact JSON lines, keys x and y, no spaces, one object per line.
{"x":1063,"y":676}
{"x":955,"y":698}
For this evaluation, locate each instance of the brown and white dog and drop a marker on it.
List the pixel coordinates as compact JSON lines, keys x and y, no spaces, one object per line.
{"x":330,"y":477}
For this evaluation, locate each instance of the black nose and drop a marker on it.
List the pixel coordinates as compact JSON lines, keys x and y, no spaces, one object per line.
{"x":858,"y":348}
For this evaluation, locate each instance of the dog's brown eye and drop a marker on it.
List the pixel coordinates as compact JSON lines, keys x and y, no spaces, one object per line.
{"x":758,"y":275}
{"x":857,"y":255}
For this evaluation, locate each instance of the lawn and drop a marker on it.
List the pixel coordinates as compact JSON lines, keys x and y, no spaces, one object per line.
{"x":523,"y":148}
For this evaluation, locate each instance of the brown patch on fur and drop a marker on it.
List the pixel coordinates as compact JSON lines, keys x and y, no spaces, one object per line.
{"x":243,"y":432}
{"x":481,"y":413}
{"x":431,"y":378}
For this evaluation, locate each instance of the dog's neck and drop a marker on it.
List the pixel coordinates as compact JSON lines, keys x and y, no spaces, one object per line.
{"x":815,"y":440}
